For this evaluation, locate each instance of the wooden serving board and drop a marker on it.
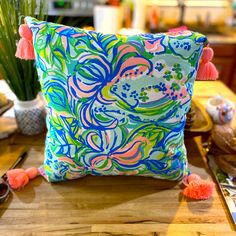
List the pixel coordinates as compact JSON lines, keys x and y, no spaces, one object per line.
{"x":8,"y":156}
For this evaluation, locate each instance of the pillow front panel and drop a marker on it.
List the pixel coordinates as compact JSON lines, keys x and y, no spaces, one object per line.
{"x":116,"y":104}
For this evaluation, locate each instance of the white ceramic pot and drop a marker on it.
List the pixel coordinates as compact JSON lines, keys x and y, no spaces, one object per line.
{"x":30,"y":116}
{"x":107,"y":19}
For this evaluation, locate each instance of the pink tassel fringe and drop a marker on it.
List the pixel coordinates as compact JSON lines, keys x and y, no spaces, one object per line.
{"x":25,"y":49}
{"x":207,"y":70}
{"x":197,"y":188}
{"x":18,"y":178}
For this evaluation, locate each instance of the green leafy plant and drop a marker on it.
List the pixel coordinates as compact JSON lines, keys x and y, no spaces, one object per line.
{"x":20,"y":75}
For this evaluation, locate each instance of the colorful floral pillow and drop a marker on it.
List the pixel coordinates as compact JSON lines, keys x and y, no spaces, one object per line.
{"x":116,"y":104}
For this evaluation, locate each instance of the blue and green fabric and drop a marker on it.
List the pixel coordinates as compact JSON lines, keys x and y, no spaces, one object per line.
{"x":116,"y":104}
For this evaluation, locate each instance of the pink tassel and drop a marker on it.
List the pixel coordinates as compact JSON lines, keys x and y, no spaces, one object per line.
{"x":32,"y":172}
{"x":207,"y":70}
{"x":197,"y":188}
{"x":25,"y":48}
{"x":18,"y":178}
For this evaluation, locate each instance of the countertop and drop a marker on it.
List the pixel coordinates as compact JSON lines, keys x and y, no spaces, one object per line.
{"x":226,"y":35}
{"x":222,"y":39}
{"x":112,"y":205}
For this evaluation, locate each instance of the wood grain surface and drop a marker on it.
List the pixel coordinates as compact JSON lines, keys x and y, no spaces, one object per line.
{"x":112,"y":205}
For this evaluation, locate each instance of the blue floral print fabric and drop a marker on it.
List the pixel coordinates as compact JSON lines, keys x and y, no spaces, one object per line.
{"x":116,"y":104}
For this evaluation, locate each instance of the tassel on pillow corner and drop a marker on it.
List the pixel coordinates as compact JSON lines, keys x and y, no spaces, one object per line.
{"x":197,"y":188}
{"x":25,"y":48}
{"x":207,"y":70}
{"x":18,"y":178}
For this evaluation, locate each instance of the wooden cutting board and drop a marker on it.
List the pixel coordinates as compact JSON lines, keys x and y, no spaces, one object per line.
{"x":8,"y":156}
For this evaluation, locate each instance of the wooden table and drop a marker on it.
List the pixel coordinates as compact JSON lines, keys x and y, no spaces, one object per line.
{"x":112,"y":205}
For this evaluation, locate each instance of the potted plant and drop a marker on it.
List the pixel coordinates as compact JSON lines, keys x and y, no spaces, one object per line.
{"x":21,"y":75}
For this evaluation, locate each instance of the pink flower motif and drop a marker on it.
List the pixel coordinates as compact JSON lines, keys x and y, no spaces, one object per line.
{"x":93,"y":73}
{"x":129,"y":62}
{"x":129,"y":155}
{"x":154,"y":46}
